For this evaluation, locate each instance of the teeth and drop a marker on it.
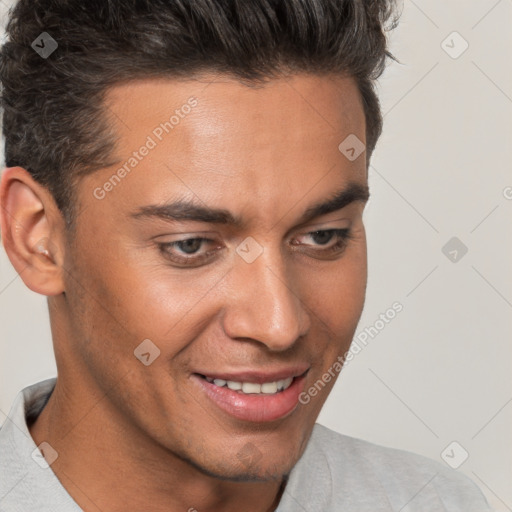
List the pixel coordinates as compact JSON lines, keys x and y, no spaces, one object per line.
{"x":250,"y":387}
{"x":284,"y":384}
{"x":267,"y":388}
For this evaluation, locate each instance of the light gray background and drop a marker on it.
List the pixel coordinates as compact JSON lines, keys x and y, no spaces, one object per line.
{"x":440,"y":371}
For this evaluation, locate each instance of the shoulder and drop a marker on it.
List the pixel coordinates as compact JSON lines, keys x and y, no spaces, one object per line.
{"x":365,"y":474}
{"x":25,"y":482}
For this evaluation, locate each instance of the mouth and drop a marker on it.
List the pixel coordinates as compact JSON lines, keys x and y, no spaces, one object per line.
{"x":249,"y":388}
{"x":254,"y":397}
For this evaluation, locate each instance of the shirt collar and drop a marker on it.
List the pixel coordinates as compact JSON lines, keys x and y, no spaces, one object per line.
{"x":26,"y":480}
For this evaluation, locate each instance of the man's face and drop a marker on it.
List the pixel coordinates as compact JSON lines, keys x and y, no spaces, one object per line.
{"x":274,"y":296}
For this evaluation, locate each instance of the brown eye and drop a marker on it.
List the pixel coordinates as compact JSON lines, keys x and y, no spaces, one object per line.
{"x":189,"y":246}
{"x":322,"y":241}
{"x":189,"y":251}
{"x":322,"y":237}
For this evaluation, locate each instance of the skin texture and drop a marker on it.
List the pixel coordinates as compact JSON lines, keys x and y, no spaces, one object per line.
{"x":265,"y":154}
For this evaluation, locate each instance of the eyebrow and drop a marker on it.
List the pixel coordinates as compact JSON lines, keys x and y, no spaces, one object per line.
{"x":186,"y":210}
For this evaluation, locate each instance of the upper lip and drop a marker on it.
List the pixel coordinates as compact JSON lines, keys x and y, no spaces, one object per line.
{"x":257,"y":376}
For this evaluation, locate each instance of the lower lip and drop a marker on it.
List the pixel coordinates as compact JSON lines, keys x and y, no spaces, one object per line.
{"x":254,"y":407}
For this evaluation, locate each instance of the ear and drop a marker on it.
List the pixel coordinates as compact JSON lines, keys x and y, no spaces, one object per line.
{"x":33,"y":230}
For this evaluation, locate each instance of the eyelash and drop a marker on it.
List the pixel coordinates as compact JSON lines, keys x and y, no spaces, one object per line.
{"x":344,"y":236}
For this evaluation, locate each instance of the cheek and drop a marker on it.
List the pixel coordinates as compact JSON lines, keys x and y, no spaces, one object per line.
{"x":337,"y":290}
{"x":100,"y":333}
{"x":118,"y":300}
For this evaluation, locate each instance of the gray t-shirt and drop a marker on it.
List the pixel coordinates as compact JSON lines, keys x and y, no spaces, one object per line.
{"x":336,"y":473}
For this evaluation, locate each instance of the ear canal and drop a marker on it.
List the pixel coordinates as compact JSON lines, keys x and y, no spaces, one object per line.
{"x":42,"y":250}
{"x":43,"y":246}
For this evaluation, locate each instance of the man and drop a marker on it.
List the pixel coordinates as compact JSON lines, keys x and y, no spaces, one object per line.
{"x":185,"y":182}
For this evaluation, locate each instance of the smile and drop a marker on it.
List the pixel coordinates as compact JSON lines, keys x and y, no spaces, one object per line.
{"x":266,"y":388}
{"x":274,"y":397}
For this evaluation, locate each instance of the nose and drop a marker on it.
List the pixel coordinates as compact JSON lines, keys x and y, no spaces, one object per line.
{"x":263,"y":304}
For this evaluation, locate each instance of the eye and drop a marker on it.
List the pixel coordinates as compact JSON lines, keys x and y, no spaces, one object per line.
{"x":185,"y":252}
{"x":327,"y":241}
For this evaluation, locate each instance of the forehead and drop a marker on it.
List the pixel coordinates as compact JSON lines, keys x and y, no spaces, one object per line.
{"x":210,"y":137}
{"x":223,"y":111}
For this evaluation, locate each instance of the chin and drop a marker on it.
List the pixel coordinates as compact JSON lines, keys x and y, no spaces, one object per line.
{"x":260,"y":474}
{"x":240,"y":472}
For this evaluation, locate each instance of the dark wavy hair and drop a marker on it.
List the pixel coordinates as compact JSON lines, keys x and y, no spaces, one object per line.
{"x":54,"y":119}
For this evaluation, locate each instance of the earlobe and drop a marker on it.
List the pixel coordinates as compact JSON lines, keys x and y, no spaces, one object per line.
{"x":31,"y":226}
